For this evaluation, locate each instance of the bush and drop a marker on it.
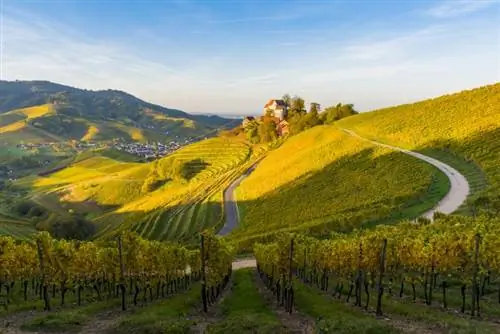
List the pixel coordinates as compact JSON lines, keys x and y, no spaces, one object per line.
{"x":22,"y":208}
{"x":71,"y":228}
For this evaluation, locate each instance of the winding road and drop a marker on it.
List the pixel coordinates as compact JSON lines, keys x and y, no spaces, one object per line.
{"x":455,"y":197}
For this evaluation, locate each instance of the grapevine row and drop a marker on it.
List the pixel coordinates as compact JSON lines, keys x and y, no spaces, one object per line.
{"x":126,"y":266}
{"x":452,"y":254}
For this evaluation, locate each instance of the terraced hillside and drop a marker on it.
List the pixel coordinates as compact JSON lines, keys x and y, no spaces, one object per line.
{"x":460,"y":129}
{"x":323,"y":180}
{"x":171,"y":198}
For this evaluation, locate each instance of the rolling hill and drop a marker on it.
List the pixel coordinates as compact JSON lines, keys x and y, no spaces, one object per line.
{"x":172,"y":198}
{"x":41,"y":111}
{"x":461,"y":129}
{"x":324,"y":180}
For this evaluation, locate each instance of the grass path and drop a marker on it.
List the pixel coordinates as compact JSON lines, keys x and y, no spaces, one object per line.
{"x":247,"y":310}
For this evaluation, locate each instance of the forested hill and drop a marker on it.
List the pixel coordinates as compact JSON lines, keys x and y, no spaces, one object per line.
{"x":74,"y":105}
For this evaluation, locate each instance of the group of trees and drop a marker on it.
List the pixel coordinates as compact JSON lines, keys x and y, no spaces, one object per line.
{"x":262,"y":131}
{"x":298,"y":117}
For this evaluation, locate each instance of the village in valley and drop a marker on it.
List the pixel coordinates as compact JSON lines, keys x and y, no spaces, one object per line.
{"x":149,"y":150}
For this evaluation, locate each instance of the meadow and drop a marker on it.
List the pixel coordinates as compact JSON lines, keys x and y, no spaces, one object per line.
{"x":461,"y":129}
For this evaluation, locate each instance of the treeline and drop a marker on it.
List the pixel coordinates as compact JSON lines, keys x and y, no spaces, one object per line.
{"x":297,"y":117}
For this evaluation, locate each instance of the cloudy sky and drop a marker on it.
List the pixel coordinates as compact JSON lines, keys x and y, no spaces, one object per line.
{"x":230,"y":56}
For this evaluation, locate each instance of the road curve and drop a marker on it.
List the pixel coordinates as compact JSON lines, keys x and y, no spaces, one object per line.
{"x":449,"y":203}
{"x":459,"y":189}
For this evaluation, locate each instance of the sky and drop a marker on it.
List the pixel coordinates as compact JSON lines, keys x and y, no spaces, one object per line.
{"x":231,"y":56}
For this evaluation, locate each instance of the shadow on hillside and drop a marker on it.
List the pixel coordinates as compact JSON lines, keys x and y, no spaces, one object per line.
{"x":306,"y":204}
{"x":477,"y":158}
{"x":190,"y":169}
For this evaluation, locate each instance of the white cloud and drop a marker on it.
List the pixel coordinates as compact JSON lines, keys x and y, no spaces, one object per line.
{"x":390,"y":47}
{"x":455,"y":8}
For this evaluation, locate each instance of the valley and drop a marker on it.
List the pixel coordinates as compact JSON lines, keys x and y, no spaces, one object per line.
{"x":379,"y":222}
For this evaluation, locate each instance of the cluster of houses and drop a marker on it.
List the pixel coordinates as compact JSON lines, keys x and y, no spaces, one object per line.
{"x":145,"y":150}
{"x":149,"y":151}
{"x":278,"y":110}
{"x":31,"y":146}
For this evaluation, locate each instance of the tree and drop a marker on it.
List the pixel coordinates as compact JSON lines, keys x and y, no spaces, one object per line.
{"x":267,"y":130}
{"x":287,"y":99}
{"x":312,"y":118}
{"x":269,"y":112}
{"x":252,"y":130}
{"x":314,"y":107}
{"x":334,"y":113}
{"x":298,"y":105}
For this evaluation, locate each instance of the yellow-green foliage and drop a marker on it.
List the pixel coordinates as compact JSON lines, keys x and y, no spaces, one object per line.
{"x":466,"y":124}
{"x":155,"y":212}
{"x":14,"y":126}
{"x":323,"y":174}
{"x":158,"y":199}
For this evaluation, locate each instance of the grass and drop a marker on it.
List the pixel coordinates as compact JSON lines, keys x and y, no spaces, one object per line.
{"x":341,"y":317}
{"x":335,"y":317}
{"x":169,"y":316}
{"x":462,"y":129}
{"x":323,"y":174}
{"x":245,"y":310}
{"x":65,"y":321}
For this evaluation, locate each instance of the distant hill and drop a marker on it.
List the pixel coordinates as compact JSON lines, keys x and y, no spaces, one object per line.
{"x":72,"y":113}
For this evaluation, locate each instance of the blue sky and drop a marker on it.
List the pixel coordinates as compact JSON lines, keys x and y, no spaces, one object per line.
{"x":231,"y":56}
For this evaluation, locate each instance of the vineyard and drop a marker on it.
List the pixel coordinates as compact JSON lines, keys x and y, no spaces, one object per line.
{"x":126,"y":269}
{"x":452,"y":262}
{"x":323,"y":180}
{"x":169,"y":199}
{"x":461,"y":129}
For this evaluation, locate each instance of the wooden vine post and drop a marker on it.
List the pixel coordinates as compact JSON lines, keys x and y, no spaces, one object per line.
{"x":475,"y":286}
{"x":42,"y":274}
{"x":122,"y":273}
{"x":381,"y":278}
{"x":290,"y":279}
{"x":203,"y":274}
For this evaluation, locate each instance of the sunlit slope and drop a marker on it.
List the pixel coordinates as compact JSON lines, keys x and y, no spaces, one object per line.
{"x":46,"y":123}
{"x":188,"y":178}
{"x":164,"y":199}
{"x":325,"y":177}
{"x":15,"y":126}
{"x":461,"y":129}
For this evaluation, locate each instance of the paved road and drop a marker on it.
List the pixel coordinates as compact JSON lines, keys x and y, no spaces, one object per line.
{"x":454,"y":198}
{"x":230,"y":204}
{"x":459,"y":186}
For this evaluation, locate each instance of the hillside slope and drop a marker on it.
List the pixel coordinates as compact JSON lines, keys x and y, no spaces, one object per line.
{"x":323,"y":180}
{"x":170,"y":198}
{"x":461,"y":129}
{"x":94,"y":115}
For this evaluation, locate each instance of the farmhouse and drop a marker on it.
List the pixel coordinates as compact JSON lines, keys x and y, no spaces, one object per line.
{"x":278,"y":108}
